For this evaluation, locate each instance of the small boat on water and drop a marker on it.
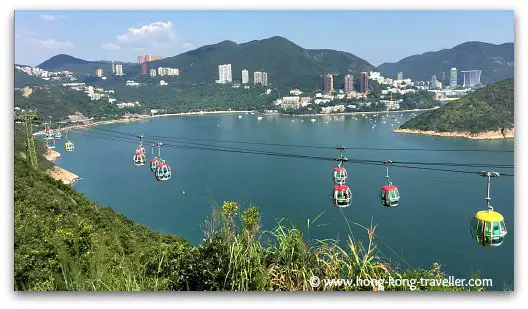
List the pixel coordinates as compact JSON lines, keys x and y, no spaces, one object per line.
{"x":259,"y":118}
{"x":239,"y":116}
{"x":313,"y":120}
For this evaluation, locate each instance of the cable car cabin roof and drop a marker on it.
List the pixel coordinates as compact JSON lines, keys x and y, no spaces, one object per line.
{"x":340,"y":187}
{"x":162,"y":165}
{"x":389,"y":188}
{"x":338,"y":169}
{"x":489,"y":216}
{"x":154,"y":160}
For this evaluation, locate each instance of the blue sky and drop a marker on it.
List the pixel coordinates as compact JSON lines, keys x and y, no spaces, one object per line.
{"x":376,"y":36}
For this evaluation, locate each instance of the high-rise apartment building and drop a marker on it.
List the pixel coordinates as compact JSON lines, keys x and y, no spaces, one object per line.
{"x":260,"y":78}
{"x":349,"y":83}
{"x":144,"y":68}
{"x":119,"y":70}
{"x":433,"y":82}
{"x":454,"y":77}
{"x":113,"y":68}
{"x":328,"y":83}
{"x":364,"y":83}
{"x":152,"y":72}
{"x":148,"y":58}
{"x":245,"y":76}
{"x":99,"y":72}
{"x":399,"y":76}
{"x":224,"y":74}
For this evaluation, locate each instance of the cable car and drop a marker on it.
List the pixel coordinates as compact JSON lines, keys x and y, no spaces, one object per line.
{"x":139,"y":159}
{"x":50,"y":143}
{"x":488,"y":228}
{"x":58,"y":135}
{"x":153,"y":163}
{"x":389,"y":196}
{"x":68,"y":146}
{"x":163,"y":172}
{"x":340,"y":175}
{"x":342,"y":196}
{"x":142,"y":150}
{"x":49,"y":133}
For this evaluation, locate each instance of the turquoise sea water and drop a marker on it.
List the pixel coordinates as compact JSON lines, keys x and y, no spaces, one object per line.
{"x":431,"y":224}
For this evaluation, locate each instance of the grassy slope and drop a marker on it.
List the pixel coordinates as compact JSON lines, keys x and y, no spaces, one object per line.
{"x":487,"y":109}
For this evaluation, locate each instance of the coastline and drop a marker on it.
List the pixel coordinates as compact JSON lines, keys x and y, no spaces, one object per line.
{"x":145,"y":117}
{"x":489,"y":135}
{"x":59,"y":173}
{"x":379,"y":112}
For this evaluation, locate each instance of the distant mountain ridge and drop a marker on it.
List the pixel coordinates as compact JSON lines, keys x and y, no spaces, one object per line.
{"x":495,"y":61}
{"x":63,"y":62}
{"x":287,"y":64}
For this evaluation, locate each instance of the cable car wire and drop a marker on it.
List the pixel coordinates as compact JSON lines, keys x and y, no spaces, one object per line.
{"x":169,"y":138}
{"x":184,"y":145}
{"x":482,"y":165}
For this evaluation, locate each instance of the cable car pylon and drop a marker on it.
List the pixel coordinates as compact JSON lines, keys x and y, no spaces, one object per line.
{"x":31,"y":153}
{"x":390,"y":196}
{"x":488,"y":227}
{"x":341,"y":194}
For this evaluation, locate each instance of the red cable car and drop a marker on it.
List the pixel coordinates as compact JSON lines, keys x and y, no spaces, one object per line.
{"x":390,"y":196}
{"x":153,"y":163}
{"x":139,"y":159}
{"x":163,"y":172}
{"x":340,"y":175}
{"x":342,"y":196}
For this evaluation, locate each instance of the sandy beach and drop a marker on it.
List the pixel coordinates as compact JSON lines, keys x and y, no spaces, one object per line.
{"x":484,"y":135}
{"x":380,"y":112}
{"x":65,"y":176}
{"x":144,"y":117}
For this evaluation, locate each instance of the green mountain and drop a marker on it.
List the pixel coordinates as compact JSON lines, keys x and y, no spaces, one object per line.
{"x":495,"y":61}
{"x":22,"y":79}
{"x":59,"y":102}
{"x":488,"y":109}
{"x":288,"y":65}
{"x":81,"y":67}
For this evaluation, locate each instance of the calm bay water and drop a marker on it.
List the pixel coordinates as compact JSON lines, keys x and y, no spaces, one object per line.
{"x":430,"y":225}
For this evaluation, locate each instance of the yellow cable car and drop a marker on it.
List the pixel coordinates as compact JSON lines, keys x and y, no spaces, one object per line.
{"x":488,"y":228}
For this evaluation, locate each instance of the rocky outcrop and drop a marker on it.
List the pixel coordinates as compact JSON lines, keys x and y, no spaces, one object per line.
{"x":499,"y":134}
{"x":61,"y":174}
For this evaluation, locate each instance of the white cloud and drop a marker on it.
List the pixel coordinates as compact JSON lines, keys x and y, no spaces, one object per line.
{"x":154,"y":34}
{"x":48,"y":17}
{"x":187,"y":45}
{"x":52,"y":44}
{"x":110,"y":46}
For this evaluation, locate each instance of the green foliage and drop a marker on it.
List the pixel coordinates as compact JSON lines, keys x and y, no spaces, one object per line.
{"x":59,"y":102}
{"x":22,"y":79}
{"x":65,"y":242}
{"x":488,"y":109}
{"x":495,"y":61}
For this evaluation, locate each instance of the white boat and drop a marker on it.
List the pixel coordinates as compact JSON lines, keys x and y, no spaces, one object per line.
{"x":239,"y":116}
{"x":259,"y":118}
{"x":313,"y":120}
